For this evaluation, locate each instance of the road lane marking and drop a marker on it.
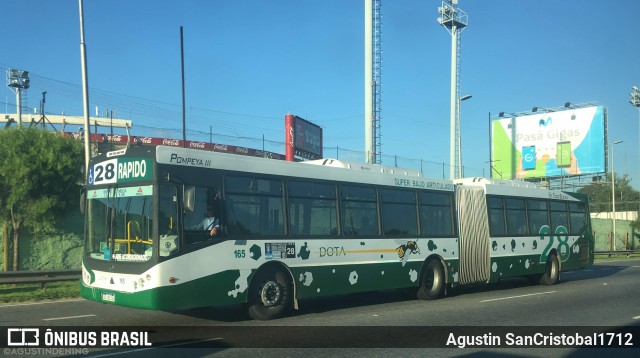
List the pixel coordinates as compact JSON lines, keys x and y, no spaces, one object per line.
{"x":156,"y":347}
{"x":510,"y":297}
{"x":40,"y":303}
{"x":68,"y":317}
{"x":636,"y":317}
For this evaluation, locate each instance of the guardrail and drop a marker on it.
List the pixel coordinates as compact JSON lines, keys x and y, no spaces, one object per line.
{"x":617,"y":252}
{"x":41,"y":277}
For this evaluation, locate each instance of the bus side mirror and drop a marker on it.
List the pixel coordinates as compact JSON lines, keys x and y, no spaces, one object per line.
{"x":189,"y":198}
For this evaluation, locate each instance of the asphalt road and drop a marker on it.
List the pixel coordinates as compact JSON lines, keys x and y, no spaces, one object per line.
{"x":598,"y":299}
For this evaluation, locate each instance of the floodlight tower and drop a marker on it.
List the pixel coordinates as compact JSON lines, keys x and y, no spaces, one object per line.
{"x":18,"y":81}
{"x":455,"y":21}
{"x":635,"y":97}
{"x":372,"y":80}
{"x":635,"y":101}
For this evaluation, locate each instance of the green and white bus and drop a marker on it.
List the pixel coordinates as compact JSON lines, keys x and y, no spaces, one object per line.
{"x":294,"y":230}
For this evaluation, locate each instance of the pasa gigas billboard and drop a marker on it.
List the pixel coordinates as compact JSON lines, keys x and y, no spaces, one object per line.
{"x":563,"y":143}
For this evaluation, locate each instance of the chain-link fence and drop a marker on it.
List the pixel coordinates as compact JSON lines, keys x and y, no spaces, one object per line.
{"x":427,"y":167}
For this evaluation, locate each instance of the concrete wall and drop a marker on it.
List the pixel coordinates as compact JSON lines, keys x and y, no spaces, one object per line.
{"x":602,"y":229}
{"x":620,"y":215}
{"x":60,"y":250}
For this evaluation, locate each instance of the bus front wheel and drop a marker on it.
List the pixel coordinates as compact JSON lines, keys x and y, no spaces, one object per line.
{"x":551,"y":272}
{"x":432,"y":283}
{"x":269,"y":294}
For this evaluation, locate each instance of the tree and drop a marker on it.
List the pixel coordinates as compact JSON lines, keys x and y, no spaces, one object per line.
{"x":627,"y":199}
{"x":38,"y":175}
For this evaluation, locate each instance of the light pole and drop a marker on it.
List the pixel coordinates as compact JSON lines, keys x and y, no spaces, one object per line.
{"x":18,"y":81}
{"x":459,"y":137}
{"x":85,"y":94}
{"x":635,"y":101}
{"x":455,"y":21}
{"x":613,"y":194}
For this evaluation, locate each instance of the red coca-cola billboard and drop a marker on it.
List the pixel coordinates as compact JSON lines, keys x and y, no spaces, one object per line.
{"x":302,"y":138}
{"x":198,"y":145}
{"x":140,"y":140}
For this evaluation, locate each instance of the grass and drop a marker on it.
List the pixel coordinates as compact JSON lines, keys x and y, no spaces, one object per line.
{"x":34,"y":292}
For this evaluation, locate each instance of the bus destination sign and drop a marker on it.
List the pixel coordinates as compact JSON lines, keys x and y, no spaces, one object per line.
{"x":120,"y":170}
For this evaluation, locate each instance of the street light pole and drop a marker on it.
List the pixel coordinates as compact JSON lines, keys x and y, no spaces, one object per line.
{"x":613,"y":194}
{"x":85,"y":95}
{"x":459,"y":136}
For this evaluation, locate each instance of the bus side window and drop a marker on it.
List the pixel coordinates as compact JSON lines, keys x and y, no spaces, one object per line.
{"x":538,"y":215}
{"x":436,"y":214}
{"x":359,"y":210}
{"x":559,"y":215}
{"x":516,"y":216}
{"x":312,"y":208}
{"x":254,"y":206}
{"x":577,"y":217}
{"x":399,"y":215}
{"x":496,"y":217}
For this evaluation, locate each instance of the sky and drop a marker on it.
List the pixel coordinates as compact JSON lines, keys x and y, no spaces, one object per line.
{"x":250,"y":62}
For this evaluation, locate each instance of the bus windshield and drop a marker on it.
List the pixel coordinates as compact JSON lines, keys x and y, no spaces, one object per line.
{"x":119,"y":223}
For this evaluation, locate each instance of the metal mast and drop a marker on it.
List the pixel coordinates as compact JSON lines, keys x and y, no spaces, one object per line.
{"x":373,"y":80}
{"x":85,"y":93}
{"x":635,"y":101}
{"x":18,"y":81}
{"x":455,"y":21}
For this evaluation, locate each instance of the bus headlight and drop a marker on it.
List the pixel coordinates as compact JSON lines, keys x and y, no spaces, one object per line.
{"x":86,"y":277}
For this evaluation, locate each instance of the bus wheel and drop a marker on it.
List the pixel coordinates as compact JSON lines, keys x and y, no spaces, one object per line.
{"x":551,"y":271}
{"x":269,"y":294}
{"x":432,"y":283}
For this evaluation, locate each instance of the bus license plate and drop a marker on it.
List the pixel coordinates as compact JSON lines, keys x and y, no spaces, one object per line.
{"x":109,"y":297}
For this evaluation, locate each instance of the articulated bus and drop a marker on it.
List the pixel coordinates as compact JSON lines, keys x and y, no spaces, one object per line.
{"x":295,"y":230}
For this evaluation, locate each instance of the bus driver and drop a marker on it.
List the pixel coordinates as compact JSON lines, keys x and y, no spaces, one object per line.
{"x":210,"y":223}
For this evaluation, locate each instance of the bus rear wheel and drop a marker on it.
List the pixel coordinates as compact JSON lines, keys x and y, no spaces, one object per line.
{"x":269,"y":294}
{"x":432,"y":283}
{"x":551,"y":273}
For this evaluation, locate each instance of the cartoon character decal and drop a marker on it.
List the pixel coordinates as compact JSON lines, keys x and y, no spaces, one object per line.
{"x":406,"y":249}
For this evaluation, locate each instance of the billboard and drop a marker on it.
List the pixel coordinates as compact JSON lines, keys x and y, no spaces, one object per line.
{"x":569,"y":142}
{"x":302,"y":138}
{"x":122,"y":140}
